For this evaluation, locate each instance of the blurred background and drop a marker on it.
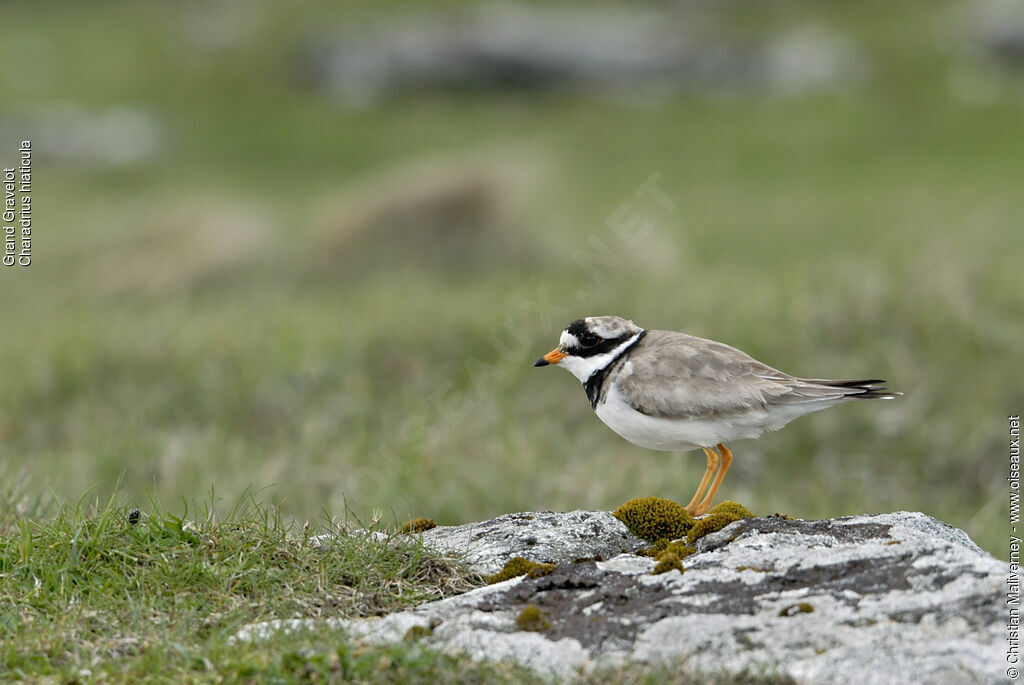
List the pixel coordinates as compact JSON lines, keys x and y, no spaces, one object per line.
{"x":313,"y":248}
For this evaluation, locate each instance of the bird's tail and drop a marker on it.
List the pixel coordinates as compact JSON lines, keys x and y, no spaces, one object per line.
{"x":871,"y":389}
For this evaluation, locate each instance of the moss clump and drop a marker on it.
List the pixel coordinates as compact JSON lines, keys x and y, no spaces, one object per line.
{"x":679,"y":548}
{"x":518,"y":566}
{"x":654,"y":550}
{"x":668,"y":561}
{"x":651,"y":518}
{"x":730,"y":507}
{"x":720,"y":515}
{"x":417,"y":526}
{"x":669,"y":555}
{"x":532,"y":618}
{"x":710,"y":524}
{"x":539,"y":570}
{"x":663,"y":545}
{"x":417,"y":632}
{"x":794,"y":609}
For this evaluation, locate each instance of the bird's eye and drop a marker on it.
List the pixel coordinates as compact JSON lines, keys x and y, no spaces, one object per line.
{"x":588,"y":339}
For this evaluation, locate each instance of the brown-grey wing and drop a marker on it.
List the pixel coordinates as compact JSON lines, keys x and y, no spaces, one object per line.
{"x":675,"y":375}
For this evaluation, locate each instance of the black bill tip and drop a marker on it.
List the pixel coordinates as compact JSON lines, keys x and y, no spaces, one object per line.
{"x":541,"y":362}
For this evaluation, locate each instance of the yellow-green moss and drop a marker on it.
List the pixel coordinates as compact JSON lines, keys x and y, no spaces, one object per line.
{"x":794,"y":609}
{"x":663,"y":545}
{"x":718,"y":517}
{"x":651,"y":518}
{"x":518,"y":566}
{"x":730,"y":507}
{"x":539,"y":570}
{"x":679,"y":548}
{"x":668,"y":561}
{"x":710,"y":524}
{"x":532,"y":618}
{"x":417,"y":526}
{"x":654,"y":550}
{"x":416,"y":632}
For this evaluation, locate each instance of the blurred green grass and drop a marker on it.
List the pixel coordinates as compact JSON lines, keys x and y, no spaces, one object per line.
{"x":871,"y":233}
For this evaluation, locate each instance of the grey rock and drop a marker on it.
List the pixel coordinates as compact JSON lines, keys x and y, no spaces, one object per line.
{"x":538,"y":536}
{"x":116,"y":137}
{"x":886,"y":598}
{"x":605,"y":51}
{"x":998,"y":31}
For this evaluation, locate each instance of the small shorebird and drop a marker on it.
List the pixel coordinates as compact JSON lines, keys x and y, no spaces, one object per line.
{"x":672,"y":391}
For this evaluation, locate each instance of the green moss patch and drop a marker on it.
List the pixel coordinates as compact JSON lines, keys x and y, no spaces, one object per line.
{"x":663,"y":545}
{"x":669,"y":555}
{"x":730,"y":507}
{"x":794,"y":609}
{"x":518,"y":566}
{"x":417,"y":632}
{"x":718,"y":518}
{"x":417,"y":526}
{"x":668,"y":561}
{"x":711,"y":523}
{"x":532,"y":618}
{"x":651,"y":518}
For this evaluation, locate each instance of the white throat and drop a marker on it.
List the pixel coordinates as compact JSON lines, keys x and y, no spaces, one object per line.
{"x":584,"y":367}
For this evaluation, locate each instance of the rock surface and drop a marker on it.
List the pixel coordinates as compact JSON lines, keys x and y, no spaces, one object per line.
{"x":887,"y":598}
{"x":538,"y":536}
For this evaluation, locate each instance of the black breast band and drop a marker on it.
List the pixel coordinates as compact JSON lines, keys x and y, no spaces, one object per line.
{"x":595,"y":384}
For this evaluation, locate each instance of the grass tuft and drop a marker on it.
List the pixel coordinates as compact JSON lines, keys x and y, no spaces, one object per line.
{"x":91,"y":590}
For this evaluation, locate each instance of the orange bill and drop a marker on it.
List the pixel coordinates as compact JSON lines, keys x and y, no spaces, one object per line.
{"x":552,"y":357}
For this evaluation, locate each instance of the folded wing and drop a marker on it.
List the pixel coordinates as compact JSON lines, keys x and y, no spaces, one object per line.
{"x":683,"y":376}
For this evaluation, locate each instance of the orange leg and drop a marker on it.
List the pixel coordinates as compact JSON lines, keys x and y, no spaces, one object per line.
{"x":709,"y":470}
{"x":705,"y":504}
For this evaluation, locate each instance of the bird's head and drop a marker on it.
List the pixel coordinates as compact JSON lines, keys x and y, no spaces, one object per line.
{"x":588,"y":345}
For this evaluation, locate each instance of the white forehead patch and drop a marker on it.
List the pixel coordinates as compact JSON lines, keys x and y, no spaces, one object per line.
{"x":609,"y":327}
{"x":568,"y":341}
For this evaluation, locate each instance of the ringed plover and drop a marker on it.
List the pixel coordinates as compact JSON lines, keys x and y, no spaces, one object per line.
{"x":672,"y":391}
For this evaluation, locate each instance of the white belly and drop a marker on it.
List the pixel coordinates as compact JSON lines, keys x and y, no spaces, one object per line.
{"x":658,"y":433}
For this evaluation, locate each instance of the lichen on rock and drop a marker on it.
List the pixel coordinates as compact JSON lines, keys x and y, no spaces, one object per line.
{"x":811,"y":601}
